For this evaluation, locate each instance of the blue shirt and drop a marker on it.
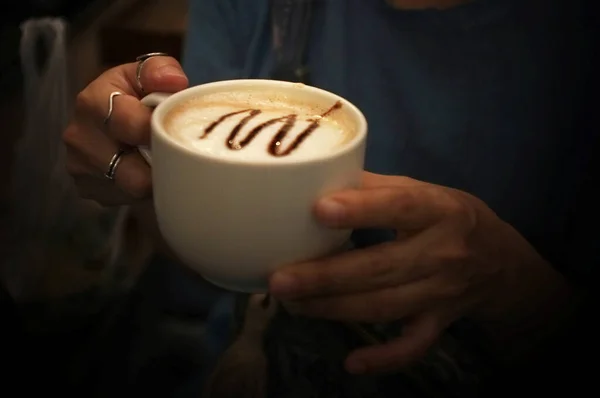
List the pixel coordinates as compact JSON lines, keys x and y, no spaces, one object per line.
{"x":483,"y":97}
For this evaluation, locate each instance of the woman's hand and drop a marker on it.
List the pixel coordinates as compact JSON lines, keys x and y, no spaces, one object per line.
{"x":453,"y":257}
{"x":91,"y":142}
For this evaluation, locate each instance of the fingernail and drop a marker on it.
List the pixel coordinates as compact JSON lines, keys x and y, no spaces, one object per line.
{"x":331,"y":211}
{"x":355,"y":366}
{"x":282,"y":284}
{"x":170,"y":71}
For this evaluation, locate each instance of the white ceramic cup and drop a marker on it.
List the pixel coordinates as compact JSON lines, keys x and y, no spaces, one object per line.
{"x":236,"y":222}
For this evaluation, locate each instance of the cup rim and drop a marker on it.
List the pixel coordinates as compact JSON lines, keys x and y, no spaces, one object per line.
{"x":158,"y":130}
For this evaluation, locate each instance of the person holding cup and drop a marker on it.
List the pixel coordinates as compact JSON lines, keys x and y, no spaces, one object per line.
{"x":458,"y":215}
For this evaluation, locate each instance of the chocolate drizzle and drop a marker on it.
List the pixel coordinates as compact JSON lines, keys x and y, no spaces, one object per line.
{"x":275,"y":146}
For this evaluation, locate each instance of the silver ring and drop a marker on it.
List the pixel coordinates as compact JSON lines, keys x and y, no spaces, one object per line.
{"x":114,"y":163}
{"x":111,"y":105}
{"x":141,"y":61}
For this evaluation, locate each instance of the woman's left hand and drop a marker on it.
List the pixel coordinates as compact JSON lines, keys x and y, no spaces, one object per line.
{"x":453,"y":257}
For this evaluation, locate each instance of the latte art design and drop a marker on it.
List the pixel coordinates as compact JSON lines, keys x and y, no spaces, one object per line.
{"x":257,"y":127}
{"x":275,"y":146}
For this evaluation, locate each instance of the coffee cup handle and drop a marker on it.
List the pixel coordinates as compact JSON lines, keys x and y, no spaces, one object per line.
{"x":152,"y":101}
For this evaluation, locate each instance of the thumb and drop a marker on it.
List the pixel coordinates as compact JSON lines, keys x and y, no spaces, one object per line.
{"x":160,"y":73}
{"x":418,"y":335}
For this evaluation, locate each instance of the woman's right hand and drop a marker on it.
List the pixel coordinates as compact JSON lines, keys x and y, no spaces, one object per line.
{"x":91,"y":143}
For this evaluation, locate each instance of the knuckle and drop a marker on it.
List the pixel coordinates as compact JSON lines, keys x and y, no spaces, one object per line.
{"x":70,"y":135}
{"x":456,"y":254}
{"x":382,"y":313}
{"x":450,"y":205}
{"x":401,"y":199}
{"x":84,"y":101}
{"x":453,"y":263}
{"x":460,"y":211}
{"x":448,"y":259}
{"x":378,"y":266}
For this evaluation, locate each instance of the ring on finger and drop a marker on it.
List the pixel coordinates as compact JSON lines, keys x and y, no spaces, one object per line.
{"x":141,"y":61}
{"x":111,"y":105}
{"x":114,"y":163}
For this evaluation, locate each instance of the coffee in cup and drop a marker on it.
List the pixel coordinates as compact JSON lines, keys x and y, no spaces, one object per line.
{"x":248,"y":126}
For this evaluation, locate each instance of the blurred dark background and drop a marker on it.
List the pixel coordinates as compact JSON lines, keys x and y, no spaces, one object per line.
{"x":62,"y":338}
{"x":101,"y":34}
{"x":16,"y":11}
{"x":127,"y":28}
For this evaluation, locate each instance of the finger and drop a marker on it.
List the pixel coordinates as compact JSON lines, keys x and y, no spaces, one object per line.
{"x":133,"y":173}
{"x":87,"y":184}
{"x":418,"y":335}
{"x":385,"y":305}
{"x":409,"y":208}
{"x":372,"y":180}
{"x":133,"y":176}
{"x":385,"y":265}
{"x":163,"y":74}
{"x":129,"y":120}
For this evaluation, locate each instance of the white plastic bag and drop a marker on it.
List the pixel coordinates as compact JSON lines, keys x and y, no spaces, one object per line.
{"x":51,"y":224}
{"x":45,"y":196}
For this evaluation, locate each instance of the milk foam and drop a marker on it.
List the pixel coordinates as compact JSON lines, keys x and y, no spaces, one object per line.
{"x":188,"y":122}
